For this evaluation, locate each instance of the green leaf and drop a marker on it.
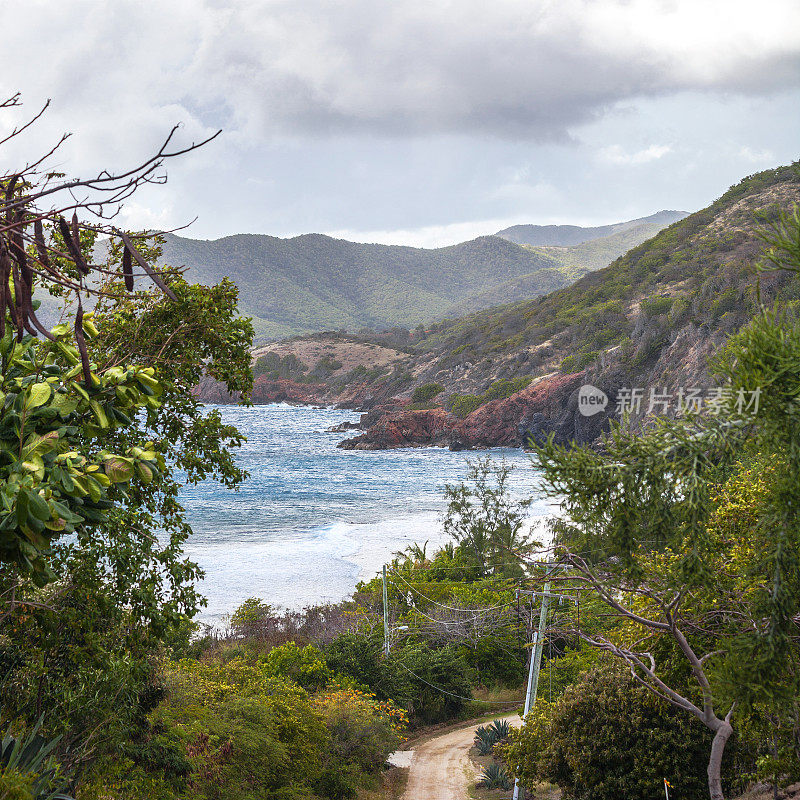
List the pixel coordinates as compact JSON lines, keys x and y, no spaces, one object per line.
{"x":99,"y":413}
{"x":38,"y":395}
{"x":145,"y":473}
{"x":118,"y":469}
{"x":37,"y":506}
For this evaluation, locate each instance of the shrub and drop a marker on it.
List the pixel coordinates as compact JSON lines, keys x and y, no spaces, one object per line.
{"x":487,"y":736}
{"x":495,"y":776}
{"x":363,"y":730}
{"x":304,"y":665}
{"x":606,"y":738}
{"x":426,"y":392}
{"x":484,"y":740}
{"x":28,"y":770}
{"x":463,"y":404}
{"x":578,"y":361}
{"x":246,"y":733}
{"x":655,"y":306}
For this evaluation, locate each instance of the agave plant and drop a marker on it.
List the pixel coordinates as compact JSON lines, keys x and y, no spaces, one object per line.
{"x":500,"y":729}
{"x":32,"y":756}
{"x":484,"y":740}
{"x":494,"y":777}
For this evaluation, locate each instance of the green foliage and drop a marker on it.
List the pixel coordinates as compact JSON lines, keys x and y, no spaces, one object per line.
{"x":463,"y":404}
{"x":655,"y":306}
{"x":246,"y":733}
{"x":304,"y":665}
{"x":487,"y":736}
{"x":495,"y":776}
{"x":275,"y":367}
{"x":607,"y":738}
{"x":426,"y":392}
{"x":578,"y":361}
{"x":88,"y":645}
{"x":28,"y":770}
{"x":483,"y":519}
{"x":55,"y":472}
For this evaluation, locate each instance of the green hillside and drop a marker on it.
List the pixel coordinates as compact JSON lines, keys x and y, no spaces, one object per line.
{"x":651,"y":318}
{"x":314,"y":282}
{"x":694,"y":276}
{"x":575,"y":261}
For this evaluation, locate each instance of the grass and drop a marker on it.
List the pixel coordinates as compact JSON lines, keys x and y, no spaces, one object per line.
{"x":391,"y":785}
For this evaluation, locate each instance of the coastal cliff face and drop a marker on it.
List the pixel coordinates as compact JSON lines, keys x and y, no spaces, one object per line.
{"x":536,"y":411}
{"x":649,"y":321}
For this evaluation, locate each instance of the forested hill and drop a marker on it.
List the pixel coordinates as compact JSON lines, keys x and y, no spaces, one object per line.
{"x":314,"y":282}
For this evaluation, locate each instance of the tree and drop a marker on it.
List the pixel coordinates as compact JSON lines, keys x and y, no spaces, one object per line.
{"x":607,"y":738}
{"x":642,"y":535}
{"x":485,"y":521}
{"x":100,"y":428}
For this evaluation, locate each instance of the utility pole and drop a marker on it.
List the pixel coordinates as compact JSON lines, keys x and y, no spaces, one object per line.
{"x":536,"y":662}
{"x":385,"y":615}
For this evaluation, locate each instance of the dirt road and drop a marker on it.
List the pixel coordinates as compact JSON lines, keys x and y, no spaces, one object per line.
{"x":440,"y":768}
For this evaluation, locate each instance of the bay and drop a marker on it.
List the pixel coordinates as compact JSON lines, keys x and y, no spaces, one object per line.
{"x":312,"y":520}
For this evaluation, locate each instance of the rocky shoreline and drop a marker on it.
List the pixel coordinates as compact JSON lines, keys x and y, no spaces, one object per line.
{"x":547,"y":406}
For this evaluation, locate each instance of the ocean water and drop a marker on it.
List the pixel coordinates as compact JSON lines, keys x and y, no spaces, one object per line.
{"x":312,"y":520}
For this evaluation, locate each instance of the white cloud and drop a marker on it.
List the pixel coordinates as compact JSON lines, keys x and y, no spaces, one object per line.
{"x":756,"y":156}
{"x":512,"y":68}
{"x":615,"y":154}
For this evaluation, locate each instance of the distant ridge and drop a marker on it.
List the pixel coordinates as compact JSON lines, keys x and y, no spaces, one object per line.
{"x":314,"y":282}
{"x":568,"y":235}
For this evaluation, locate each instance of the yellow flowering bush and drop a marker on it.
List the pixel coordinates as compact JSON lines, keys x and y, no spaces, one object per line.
{"x":363,"y":729}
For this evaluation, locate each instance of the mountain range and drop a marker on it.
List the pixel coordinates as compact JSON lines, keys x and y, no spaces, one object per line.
{"x":314,"y":282}
{"x":650,"y":320}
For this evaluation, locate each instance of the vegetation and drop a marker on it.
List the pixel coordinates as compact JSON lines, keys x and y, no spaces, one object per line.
{"x":607,"y":737}
{"x":381,"y":286}
{"x":688,"y":535}
{"x":463,"y":404}
{"x":426,"y":392}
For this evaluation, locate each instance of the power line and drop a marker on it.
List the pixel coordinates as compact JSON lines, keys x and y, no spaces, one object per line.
{"x":451,"y":608}
{"x":453,"y":694}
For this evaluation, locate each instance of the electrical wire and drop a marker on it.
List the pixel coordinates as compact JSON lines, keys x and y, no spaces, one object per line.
{"x":444,"y":605}
{"x":452,"y":694}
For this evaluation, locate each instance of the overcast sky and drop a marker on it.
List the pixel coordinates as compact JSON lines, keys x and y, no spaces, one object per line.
{"x":411,"y":121}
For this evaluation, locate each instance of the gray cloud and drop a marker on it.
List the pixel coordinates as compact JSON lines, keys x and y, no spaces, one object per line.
{"x":371,"y":115}
{"x":510,"y":68}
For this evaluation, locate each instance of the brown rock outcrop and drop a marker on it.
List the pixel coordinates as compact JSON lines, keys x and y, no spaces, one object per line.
{"x":503,"y":422}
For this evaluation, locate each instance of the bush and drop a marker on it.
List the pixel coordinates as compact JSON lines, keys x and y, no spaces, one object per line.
{"x":246,"y":734}
{"x":655,"y":306}
{"x":606,"y":738}
{"x":426,"y":392}
{"x":578,"y":361}
{"x":463,"y":404}
{"x":363,"y":730}
{"x":495,"y":776}
{"x":303,"y":665}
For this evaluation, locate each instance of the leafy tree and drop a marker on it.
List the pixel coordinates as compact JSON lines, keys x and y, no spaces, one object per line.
{"x":606,"y":738}
{"x":485,"y":521}
{"x":83,"y":648}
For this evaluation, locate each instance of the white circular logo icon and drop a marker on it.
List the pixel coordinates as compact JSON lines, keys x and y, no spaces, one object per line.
{"x":591,"y":400}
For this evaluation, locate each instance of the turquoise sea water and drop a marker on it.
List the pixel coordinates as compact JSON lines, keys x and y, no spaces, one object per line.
{"x":312,"y":520}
